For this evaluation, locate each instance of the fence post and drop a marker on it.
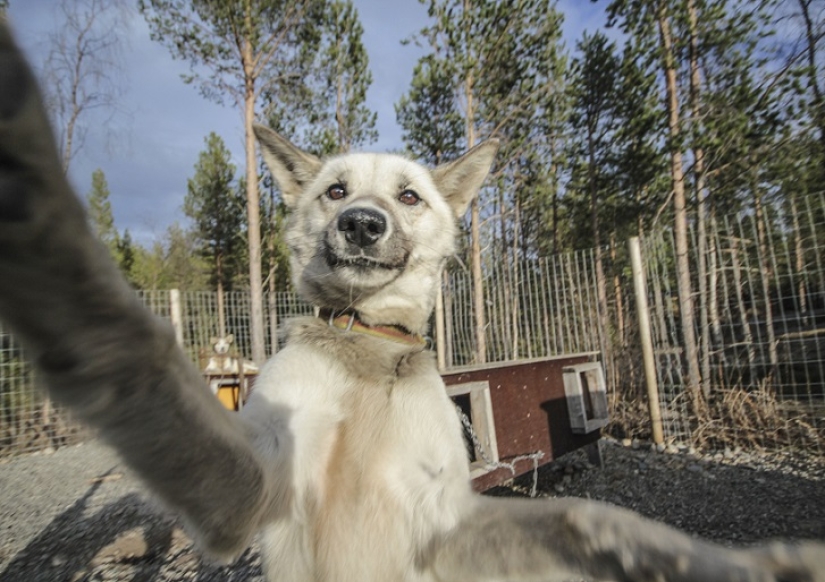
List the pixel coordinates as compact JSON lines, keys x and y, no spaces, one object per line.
{"x":440,"y":335}
{"x":176,"y":312}
{"x":640,"y":290}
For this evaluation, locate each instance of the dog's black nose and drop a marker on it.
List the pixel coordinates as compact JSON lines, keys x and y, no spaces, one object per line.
{"x":362,"y":226}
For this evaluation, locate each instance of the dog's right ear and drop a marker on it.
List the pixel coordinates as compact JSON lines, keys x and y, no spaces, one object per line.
{"x":291,"y":167}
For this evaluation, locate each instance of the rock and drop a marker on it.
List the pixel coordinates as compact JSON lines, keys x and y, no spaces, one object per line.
{"x":627,"y":442}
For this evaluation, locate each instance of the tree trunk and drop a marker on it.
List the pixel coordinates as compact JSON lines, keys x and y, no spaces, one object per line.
{"x":449,"y":334}
{"x":516,"y":280}
{"x":475,"y":245}
{"x":680,"y":212}
{"x":747,"y":336}
{"x":700,"y":196}
{"x":765,"y":270}
{"x":253,"y":212}
{"x":811,"y":39}
{"x":601,"y":282}
{"x":220,"y":299}
{"x":799,"y":256}
{"x":617,"y":292}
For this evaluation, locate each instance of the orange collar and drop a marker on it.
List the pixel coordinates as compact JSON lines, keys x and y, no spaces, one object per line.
{"x":348,"y":320}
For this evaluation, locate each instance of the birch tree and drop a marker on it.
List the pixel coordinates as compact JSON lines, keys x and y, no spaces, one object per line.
{"x":83,"y":71}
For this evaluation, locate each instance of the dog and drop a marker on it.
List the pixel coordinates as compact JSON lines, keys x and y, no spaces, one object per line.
{"x":348,"y":458}
{"x":222,"y":359}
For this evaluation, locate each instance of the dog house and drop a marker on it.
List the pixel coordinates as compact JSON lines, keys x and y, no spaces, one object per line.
{"x":551,"y":405}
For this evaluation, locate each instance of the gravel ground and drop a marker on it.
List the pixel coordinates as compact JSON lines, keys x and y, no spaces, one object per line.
{"x":77,"y":515}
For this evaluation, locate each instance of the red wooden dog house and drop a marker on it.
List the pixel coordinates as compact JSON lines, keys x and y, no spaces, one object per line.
{"x":550,"y":405}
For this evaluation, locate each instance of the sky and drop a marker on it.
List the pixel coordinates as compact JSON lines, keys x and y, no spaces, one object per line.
{"x":148,"y":149}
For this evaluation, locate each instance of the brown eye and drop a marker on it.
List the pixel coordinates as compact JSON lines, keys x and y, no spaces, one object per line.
{"x":336,"y":192}
{"x":409,"y":198}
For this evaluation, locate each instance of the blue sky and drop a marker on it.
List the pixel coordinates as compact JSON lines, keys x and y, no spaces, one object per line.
{"x":153,"y":144}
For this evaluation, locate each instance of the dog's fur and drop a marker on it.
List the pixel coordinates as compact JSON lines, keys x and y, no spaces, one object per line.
{"x":349,"y":457}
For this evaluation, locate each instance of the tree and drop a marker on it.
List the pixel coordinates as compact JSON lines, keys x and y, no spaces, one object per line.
{"x":100,"y":214}
{"x":639,"y":18}
{"x":83,"y":69}
{"x":239,"y":50}
{"x":503,"y":59}
{"x":339,"y":119}
{"x":595,"y":98}
{"x":431,"y":124}
{"x":814,"y":33}
{"x":172,"y":262}
{"x":216,"y":207}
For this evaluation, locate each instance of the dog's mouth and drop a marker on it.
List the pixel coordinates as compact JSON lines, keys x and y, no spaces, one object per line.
{"x":361,"y":262}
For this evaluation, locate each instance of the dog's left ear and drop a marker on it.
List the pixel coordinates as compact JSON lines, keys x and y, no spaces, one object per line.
{"x":460,"y":180}
{"x":291,"y":167}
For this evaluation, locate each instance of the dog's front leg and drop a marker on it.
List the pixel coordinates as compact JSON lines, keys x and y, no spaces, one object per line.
{"x":554,"y":540}
{"x":100,"y":351}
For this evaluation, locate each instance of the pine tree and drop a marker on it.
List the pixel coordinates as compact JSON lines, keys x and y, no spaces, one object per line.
{"x":216,"y":207}
{"x":504,"y":59}
{"x":340,"y":119}
{"x":431,"y":124}
{"x":246,"y":51}
{"x":100,"y":215}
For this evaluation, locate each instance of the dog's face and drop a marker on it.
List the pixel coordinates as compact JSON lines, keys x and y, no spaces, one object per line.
{"x":222,"y":345}
{"x":372,"y":231}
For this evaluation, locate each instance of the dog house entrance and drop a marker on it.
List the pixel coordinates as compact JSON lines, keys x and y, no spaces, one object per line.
{"x":586,"y":395}
{"x":473,"y":399}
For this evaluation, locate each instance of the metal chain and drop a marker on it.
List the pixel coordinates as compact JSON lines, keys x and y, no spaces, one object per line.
{"x":511,"y":466}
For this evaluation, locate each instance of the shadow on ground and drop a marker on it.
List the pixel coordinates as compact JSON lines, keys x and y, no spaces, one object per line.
{"x":126,"y":540}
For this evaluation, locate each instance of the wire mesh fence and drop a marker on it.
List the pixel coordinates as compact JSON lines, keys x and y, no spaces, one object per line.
{"x":534,"y":308}
{"x":30,"y":422}
{"x":759,"y":303}
{"x":758,"y":283}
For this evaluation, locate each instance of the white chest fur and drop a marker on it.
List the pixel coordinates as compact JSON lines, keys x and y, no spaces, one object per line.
{"x":376,"y":456}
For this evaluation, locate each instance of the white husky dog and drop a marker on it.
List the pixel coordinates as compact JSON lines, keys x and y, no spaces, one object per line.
{"x":348,"y":459}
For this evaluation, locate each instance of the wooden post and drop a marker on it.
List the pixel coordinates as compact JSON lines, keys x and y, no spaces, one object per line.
{"x":440,"y":336}
{"x":640,"y":290}
{"x":176,"y":312}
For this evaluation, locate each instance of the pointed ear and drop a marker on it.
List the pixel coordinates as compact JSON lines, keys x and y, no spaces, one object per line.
{"x":291,"y":167}
{"x":460,"y":180}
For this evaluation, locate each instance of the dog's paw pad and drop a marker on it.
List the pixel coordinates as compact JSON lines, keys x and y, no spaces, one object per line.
{"x":14,"y":84}
{"x":14,"y":206}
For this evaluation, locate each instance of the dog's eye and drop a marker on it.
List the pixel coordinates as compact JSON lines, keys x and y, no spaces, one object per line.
{"x":336,"y":192}
{"x":409,"y":198}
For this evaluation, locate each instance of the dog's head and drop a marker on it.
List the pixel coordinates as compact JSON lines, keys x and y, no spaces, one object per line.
{"x":222,"y":345}
{"x":371,"y":232}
